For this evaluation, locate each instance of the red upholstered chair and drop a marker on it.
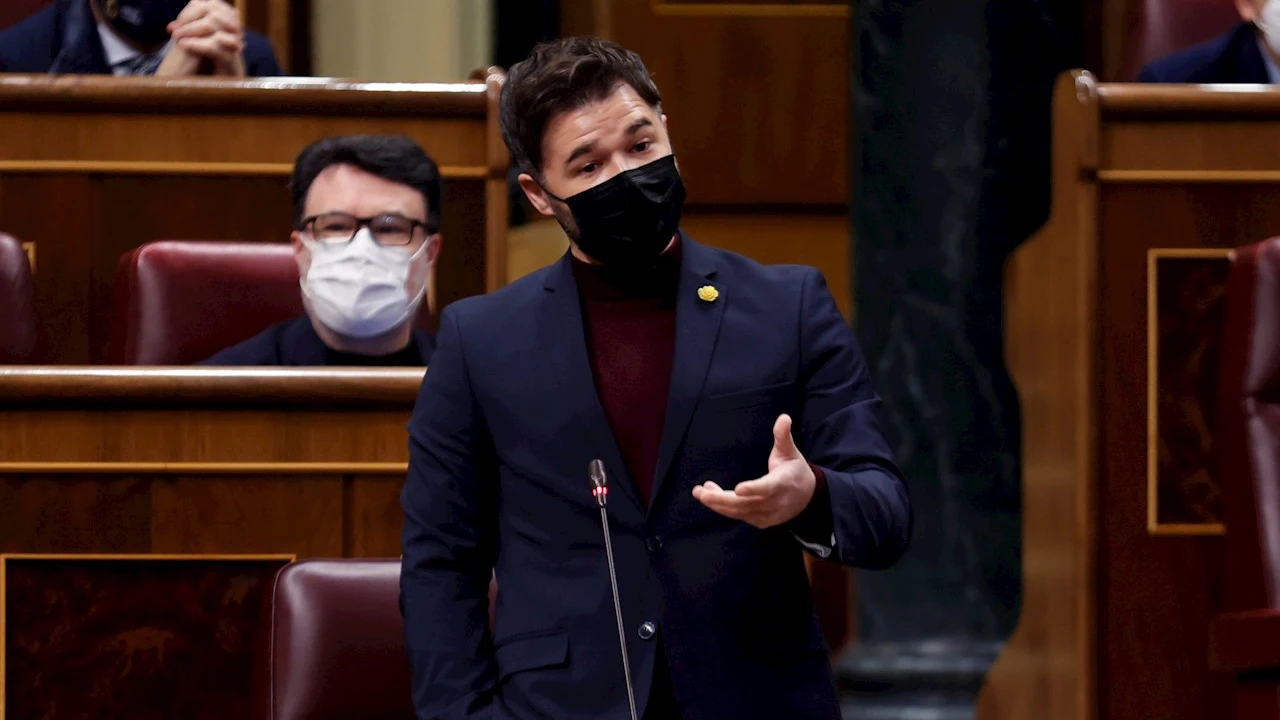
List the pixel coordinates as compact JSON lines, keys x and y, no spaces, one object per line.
{"x":335,"y":649}
{"x":19,"y":334}
{"x":1245,"y":641}
{"x":12,"y":11}
{"x":1159,"y":27}
{"x":179,"y":302}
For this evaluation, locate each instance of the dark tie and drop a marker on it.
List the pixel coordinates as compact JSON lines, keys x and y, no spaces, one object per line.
{"x":142,"y":64}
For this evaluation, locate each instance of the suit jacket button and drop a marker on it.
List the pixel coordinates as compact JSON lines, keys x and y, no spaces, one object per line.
{"x":647,"y":630}
{"x":655,"y":544}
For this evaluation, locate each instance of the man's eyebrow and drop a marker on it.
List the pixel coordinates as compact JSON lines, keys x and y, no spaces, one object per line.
{"x":581,"y":150}
{"x":638,"y":125}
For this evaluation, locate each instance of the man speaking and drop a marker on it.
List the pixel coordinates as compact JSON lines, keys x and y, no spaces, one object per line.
{"x":729,"y":406}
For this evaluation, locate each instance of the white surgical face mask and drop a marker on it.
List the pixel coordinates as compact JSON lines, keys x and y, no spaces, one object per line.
{"x":1269,"y":23}
{"x":360,"y":289}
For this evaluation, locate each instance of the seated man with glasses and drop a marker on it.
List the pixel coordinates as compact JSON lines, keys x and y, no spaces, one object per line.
{"x":367,"y":212}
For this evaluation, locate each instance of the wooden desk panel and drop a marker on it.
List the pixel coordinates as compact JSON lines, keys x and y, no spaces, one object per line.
{"x":1117,"y":371}
{"x":93,"y":167}
{"x":178,"y":493}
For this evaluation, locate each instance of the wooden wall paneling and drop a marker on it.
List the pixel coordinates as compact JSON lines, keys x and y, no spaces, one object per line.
{"x":74,"y":514}
{"x":1161,"y":534}
{"x":55,"y":216}
{"x":94,"y":166}
{"x":1148,"y":584}
{"x":460,"y":270}
{"x":373,"y":518}
{"x":129,"y":635}
{"x":1047,"y":668}
{"x":301,"y":514}
{"x":735,"y":83}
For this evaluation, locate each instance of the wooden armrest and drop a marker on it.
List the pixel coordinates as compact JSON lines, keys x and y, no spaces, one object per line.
{"x":1243,"y":642}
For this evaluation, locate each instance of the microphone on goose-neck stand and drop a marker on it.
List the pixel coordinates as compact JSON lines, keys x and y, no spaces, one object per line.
{"x":600,"y":489}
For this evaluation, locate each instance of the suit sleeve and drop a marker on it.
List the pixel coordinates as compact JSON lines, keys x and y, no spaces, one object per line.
{"x":864,"y":509}
{"x":1149,"y":74}
{"x":449,"y":541}
{"x":260,"y":57}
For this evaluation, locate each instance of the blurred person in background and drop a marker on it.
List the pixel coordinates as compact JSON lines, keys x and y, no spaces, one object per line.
{"x":166,"y":38}
{"x":1249,"y":53}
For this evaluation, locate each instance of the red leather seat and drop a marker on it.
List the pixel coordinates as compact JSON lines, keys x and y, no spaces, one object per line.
{"x":19,"y":333}
{"x":178,"y":302}
{"x":13,"y":11}
{"x":1159,"y":27}
{"x":336,"y":645}
{"x":1245,"y":641}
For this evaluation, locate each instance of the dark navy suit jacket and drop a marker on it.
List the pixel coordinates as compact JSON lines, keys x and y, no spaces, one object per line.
{"x":63,"y":38}
{"x":506,"y":424}
{"x":1231,"y":58}
{"x":295,"y":342}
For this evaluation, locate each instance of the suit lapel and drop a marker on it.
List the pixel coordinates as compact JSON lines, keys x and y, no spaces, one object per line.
{"x":1250,"y":65}
{"x":80,"y":48}
{"x":697,"y":327}
{"x":573,"y":383}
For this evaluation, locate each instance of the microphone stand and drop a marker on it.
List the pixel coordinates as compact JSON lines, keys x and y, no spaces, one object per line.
{"x":601,"y":492}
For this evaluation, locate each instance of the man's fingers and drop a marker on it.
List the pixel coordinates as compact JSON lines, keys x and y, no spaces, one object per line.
{"x":723,"y":503}
{"x":757,"y":489}
{"x":783,"y":443}
{"x":208,"y":25}
{"x":194,"y":10}
{"x":220,"y":47}
{"x":726,"y":502}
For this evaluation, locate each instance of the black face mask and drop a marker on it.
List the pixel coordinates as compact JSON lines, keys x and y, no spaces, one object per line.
{"x":145,"y":22}
{"x":628,"y":220}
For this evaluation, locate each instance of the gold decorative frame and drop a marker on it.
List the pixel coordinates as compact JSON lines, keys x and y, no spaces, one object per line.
{"x":1154,"y":527}
{"x":165,"y":167}
{"x":757,"y":9}
{"x":1208,"y":177}
{"x":205,"y":468}
{"x":5,"y":557}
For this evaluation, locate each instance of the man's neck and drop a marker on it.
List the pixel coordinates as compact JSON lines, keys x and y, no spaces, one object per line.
{"x":102,"y":22}
{"x":391,"y":342}
{"x":577,"y":252}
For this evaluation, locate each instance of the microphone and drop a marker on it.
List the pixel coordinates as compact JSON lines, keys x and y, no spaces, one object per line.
{"x":600,"y":489}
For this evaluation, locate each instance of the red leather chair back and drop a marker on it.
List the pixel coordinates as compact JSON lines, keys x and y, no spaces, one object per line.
{"x":14,"y":11}
{"x":19,"y":333}
{"x":1248,"y":433}
{"x":336,"y":643}
{"x":1160,"y":27}
{"x":179,"y":302}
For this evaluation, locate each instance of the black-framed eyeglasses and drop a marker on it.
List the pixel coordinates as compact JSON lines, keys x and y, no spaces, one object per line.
{"x":389,"y":229}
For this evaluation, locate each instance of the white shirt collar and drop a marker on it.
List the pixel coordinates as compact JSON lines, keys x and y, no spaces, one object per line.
{"x":1273,"y":71}
{"x":117,"y":50}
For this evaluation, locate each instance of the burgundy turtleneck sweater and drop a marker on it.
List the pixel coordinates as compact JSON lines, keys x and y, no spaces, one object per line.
{"x":630,"y":321}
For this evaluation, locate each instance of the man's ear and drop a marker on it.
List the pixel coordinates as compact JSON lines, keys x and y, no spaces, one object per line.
{"x":433,"y":247}
{"x":537,"y":196}
{"x":300,"y":254}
